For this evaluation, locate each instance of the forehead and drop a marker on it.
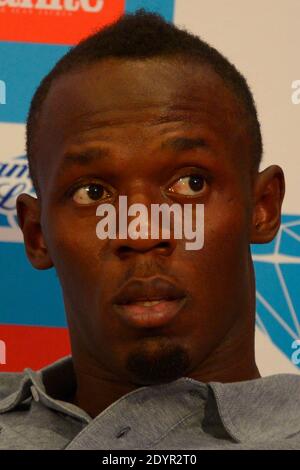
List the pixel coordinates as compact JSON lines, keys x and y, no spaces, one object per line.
{"x":124,"y":86}
{"x":114,"y":96}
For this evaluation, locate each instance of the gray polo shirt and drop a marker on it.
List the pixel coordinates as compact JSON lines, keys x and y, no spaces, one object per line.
{"x":184,"y":414}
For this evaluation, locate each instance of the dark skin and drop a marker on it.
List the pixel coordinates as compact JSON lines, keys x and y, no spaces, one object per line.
{"x":145,"y":119}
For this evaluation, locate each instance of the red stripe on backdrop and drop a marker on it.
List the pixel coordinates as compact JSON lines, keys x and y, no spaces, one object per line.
{"x":55,"y":21}
{"x":31,"y":346}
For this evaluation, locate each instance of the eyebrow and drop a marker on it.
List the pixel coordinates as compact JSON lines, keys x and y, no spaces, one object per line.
{"x":185,"y":143}
{"x":85,"y":157}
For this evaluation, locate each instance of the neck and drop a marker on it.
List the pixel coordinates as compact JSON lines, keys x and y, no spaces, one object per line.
{"x":97,"y":390}
{"x":232,"y":361}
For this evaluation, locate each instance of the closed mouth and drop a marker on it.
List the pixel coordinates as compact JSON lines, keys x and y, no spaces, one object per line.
{"x":149,"y":303}
{"x":155,"y":289}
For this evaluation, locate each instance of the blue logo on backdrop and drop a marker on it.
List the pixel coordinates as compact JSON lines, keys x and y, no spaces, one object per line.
{"x":14,"y":180}
{"x":277,"y":268}
{"x":28,"y":296}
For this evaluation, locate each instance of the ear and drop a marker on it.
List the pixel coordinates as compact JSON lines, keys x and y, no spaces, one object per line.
{"x":28,"y":211}
{"x":269,"y":191}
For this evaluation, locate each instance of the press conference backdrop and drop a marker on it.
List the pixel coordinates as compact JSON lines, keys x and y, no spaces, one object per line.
{"x":262,"y":38}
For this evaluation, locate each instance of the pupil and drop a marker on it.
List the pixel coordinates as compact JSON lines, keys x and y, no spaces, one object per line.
{"x":95,"y":191}
{"x":196,"y":183}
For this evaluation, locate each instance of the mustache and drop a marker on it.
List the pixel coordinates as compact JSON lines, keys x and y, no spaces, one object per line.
{"x":147,"y":289}
{"x":147,"y":268}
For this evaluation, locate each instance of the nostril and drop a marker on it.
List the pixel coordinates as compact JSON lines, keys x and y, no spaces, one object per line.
{"x":143,"y":246}
{"x":124,"y":250}
{"x":123,"y":432}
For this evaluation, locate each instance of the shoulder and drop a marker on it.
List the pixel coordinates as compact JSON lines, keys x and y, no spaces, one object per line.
{"x":10,"y":382}
{"x":265,"y":393}
{"x":266,"y":409}
{"x":278,"y":382}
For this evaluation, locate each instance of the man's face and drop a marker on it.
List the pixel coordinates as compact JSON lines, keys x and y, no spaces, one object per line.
{"x":141,"y":129}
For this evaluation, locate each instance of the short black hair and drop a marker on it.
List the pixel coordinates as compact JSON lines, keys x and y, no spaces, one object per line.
{"x":143,"y":35}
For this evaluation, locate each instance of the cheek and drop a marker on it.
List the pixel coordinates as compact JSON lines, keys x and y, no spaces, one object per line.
{"x":226,"y":235}
{"x":217,"y":277}
{"x":227,"y":223}
{"x":74,"y":247}
{"x":219,"y":269}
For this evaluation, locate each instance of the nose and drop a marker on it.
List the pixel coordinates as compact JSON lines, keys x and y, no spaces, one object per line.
{"x":129,"y":247}
{"x":138,"y":222}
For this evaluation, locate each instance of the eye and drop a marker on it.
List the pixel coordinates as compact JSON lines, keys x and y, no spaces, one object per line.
{"x":190,"y":185}
{"x":89,"y":193}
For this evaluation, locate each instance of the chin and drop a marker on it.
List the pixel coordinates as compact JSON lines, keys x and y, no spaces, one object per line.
{"x":163,"y":363}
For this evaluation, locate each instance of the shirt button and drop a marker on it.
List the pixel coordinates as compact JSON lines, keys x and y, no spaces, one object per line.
{"x":34,"y":393}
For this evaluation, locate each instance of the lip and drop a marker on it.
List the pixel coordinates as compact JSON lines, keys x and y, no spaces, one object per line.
{"x":168,"y":297}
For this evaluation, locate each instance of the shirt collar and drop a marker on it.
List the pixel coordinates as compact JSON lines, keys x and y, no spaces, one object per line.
{"x":249,"y":410}
{"x":51,"y":386}
{"x":263,"y":409}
